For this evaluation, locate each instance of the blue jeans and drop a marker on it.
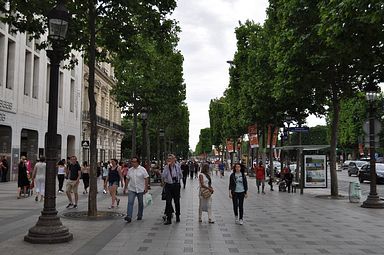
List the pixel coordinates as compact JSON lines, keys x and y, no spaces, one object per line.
{"x":131,"y":201}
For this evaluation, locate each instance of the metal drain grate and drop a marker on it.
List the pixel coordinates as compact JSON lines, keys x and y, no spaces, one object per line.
{"x":101,"y":215}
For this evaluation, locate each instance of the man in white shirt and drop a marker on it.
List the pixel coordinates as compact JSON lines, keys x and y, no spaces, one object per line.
{"x":137,"y":186}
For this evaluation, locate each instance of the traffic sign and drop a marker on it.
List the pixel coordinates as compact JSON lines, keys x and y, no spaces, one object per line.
{"x":299,"y":129}
{"x":85,"y":143}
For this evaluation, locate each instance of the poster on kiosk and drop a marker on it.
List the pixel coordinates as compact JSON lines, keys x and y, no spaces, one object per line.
{"x":315,"y":171}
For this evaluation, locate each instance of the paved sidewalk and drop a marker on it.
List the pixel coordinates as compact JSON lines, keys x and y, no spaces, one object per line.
{"x":275,"y":223}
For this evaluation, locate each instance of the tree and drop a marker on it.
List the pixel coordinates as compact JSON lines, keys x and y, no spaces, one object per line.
{"x":95,"y":25}
{"x":204,"y":146}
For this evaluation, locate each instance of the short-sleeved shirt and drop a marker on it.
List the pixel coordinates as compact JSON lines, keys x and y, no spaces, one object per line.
{"x":136,"y":177}
{"x":260,"y":173}
{"x":74,"y":171}
{"x":40,"y":170}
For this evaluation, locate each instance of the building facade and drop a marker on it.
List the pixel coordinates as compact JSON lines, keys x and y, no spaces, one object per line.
{"x":24,"y":99}
{"x":109,"y":131}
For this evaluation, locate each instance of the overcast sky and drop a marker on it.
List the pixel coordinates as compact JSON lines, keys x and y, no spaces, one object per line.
{"x":207,"y":41}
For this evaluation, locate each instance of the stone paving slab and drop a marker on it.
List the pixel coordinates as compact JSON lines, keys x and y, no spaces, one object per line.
{"x":275,"y":223}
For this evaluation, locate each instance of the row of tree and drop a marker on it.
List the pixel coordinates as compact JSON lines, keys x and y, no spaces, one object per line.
{"x":305,"y":59}
{"x":139,"y":39}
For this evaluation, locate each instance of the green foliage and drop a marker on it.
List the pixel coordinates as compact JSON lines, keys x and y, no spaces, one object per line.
{"x":204,"y":145}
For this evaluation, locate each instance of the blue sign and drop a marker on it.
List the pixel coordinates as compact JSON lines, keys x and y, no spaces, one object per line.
{"x":299,"y":129}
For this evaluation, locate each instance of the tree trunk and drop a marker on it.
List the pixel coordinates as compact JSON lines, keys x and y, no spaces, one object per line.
{"x":332,"y":156}
{"x":92,"y":202}
{"x":134,"y":128}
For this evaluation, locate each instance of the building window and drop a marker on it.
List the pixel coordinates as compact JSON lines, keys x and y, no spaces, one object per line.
{"x":73,"y":71}
{"x":47,"y":82}
{"x":72,"y":96}
{"x":36,"y":69}
{"x":61,"y":83}
{"x":11,"y":51}
{"x":28,"y":40}
{"x":27,"y":73}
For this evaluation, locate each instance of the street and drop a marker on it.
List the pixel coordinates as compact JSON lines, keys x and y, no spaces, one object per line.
{"x":274,"y":223}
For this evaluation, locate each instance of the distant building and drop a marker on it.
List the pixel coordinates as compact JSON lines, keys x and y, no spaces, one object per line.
{"x":109,"y":130}
{"x":24,"y":89}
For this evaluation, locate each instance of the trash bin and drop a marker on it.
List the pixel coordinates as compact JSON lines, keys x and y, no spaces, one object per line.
{"x":354,"y":192}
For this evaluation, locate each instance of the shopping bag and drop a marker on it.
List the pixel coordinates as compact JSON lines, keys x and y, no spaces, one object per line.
{"x":147,"y":199}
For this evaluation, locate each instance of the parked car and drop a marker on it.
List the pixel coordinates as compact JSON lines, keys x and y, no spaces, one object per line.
{"x":365,"y":174}
{"x":354,"y":167}
{"x":344,"y":166}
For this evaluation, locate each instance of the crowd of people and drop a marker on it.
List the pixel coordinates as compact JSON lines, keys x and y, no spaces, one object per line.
{"x":134,"y":180}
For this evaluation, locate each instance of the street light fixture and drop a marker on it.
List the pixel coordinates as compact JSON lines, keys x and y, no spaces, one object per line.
{"x":49,"y":228}
{"x":373,"y":199}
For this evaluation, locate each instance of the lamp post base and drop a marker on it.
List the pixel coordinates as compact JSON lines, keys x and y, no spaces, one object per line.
{"x":373,"y":201}
{"x":48,"y":230}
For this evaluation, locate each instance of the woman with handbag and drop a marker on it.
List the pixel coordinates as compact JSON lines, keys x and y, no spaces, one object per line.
{"x":205,"y":194}
{"x":238,"y":187}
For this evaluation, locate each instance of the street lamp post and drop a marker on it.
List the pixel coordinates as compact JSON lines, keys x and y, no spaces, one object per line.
{"x":373,"y":199}
{"x":144,"y":116}
{"x":49,"y":228}
{"x":161,"y":133}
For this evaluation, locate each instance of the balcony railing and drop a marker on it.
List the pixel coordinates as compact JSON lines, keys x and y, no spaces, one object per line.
{"x":103,"y":122}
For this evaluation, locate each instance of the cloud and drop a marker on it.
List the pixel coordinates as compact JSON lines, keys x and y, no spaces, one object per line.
{"x":207,"y":41}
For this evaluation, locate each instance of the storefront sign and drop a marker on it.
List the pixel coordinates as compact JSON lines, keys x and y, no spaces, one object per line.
{"x":315,"y":171}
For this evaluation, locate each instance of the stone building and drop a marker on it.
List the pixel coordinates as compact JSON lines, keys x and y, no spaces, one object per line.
{"x":24,"y":89}
{"x":110,"y":132}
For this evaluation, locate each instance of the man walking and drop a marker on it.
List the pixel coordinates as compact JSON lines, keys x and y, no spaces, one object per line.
{"x":260,"y":177}
{"x":172,"y":176}
{"x":185,"y":170}
{"x":73,"y":172}
{"x":3,"y":169}
{"x":137,"y":186}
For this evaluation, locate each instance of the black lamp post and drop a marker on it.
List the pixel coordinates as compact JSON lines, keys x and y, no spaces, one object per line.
{"x":144,"y":116}
{"x":49,"y":228}
{"x":161,"y":133}
{"x":373,"y":199}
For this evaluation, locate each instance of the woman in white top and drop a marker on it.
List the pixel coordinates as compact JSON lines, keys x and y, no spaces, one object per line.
{"x":205,"y":193}
{"x":61,"y":174}
{"x":39,"y":178}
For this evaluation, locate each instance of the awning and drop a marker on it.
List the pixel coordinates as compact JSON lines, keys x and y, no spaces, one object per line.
{"x":304,"y":147}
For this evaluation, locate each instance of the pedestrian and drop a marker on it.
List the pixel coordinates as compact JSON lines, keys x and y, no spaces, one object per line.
{"x":73,"y":172}
{"x":238,"y":187}
{"x":38,"y":176}
{"x":172,"y":176}
{"x":221,"y":167}
{"x":4,"y":169}
{"x":260,"y":177}
{"x":85,"y":176}
{"x":22,"y":177}
{"x":288,"y":177}
{"x":185,"y":169}
{"x":191,"y":169}
{"x":61,"y":174}
{"x":113,"y":179}
{"x":124,"y":172}
{"x":104,"y":176}
{"x":205,"y":193}
{"x":137,"y":177}
{"x":196,"y":168}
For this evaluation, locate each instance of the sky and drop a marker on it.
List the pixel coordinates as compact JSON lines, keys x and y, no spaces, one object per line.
{"x":207,"y":42}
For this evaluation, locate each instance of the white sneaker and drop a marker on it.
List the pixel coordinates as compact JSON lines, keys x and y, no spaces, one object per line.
{"x":104,"y":191}
{"x":237,"y":220}
{"x":241,"y":222}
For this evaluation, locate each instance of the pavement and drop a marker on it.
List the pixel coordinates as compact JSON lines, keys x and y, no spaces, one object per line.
{"x":274,"y":223}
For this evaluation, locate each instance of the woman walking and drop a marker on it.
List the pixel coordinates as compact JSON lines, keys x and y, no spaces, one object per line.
{"x":61,"y":174}
{"x":113,"y":179}
{"x":205,"y":194}
{"x":22,"y":178}
{"x":238,"y":187}
{"x":39,"y":178}
{"x":85,"y":175}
